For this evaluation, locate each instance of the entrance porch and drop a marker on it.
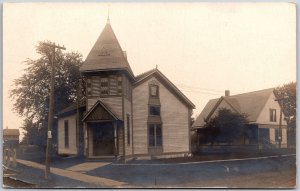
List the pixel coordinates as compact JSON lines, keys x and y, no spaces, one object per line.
{"x":103,"y":139}
{"x":103,"y":132}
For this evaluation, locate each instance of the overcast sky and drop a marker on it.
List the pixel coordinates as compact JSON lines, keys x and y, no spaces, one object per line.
{"x":203,"y":48}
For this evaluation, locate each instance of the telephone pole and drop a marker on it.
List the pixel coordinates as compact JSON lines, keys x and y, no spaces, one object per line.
{"x":51,"y":107}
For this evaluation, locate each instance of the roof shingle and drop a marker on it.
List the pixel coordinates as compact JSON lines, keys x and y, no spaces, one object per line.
{"x":106,"y":54}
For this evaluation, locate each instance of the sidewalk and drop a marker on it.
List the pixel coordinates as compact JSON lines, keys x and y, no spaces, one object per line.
{"x":97,"y":181}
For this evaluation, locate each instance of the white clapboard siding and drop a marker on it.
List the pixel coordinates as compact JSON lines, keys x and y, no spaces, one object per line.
{"x":127,"y":111}
{"x":175,"y":122}
{"x":140,"y":97}
{"x":72,"y":149}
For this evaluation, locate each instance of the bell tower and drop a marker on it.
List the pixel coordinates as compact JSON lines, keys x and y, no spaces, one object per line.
{"x":109,"y":80}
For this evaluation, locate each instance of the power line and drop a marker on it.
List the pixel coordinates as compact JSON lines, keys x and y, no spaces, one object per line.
{"x":198,"y":88}
{"x":201,"y":92}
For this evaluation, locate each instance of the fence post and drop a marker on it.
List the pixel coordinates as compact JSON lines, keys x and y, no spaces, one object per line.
{"x":14,"y":157}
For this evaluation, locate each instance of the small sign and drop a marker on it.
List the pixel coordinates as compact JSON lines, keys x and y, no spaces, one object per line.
{"x":49,"y":135}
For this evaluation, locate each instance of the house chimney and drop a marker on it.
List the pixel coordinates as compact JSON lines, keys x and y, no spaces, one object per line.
{"x":125,"y":54}
{"x":227,"y":93}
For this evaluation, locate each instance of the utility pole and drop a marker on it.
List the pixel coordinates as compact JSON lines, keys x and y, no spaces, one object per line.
{"x":51,"y":107}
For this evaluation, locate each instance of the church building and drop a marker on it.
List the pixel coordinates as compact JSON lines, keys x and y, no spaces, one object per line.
{"x":124,"y":115}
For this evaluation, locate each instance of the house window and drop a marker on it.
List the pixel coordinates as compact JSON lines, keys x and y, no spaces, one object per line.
{"x":66,"y":128}
{"x":153,"y":90}
{"x":154,"y":135}
{"x":128,"y":129}
{"x":154,"y":110}
{"x":273,"y":115}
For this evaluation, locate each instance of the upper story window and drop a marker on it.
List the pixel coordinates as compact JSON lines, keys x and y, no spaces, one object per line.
{"x":119,"y":85}
{"x":104,"y":85}
{"x":154,"y":110}
{"x":154,"y":91}
{"x":273,"y":115}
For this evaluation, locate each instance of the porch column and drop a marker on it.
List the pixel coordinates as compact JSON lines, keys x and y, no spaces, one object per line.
{"x":115,"y":138}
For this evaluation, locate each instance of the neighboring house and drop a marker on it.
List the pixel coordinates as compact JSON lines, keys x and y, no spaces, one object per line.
{"x":263,"y":113}
{"x":11,"y":137}
{"x":125,"y":115}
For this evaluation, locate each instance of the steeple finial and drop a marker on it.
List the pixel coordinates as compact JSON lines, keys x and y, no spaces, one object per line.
{"x":108,"y":21}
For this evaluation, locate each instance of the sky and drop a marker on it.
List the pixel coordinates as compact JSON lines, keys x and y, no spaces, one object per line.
{"x":203,"y":48}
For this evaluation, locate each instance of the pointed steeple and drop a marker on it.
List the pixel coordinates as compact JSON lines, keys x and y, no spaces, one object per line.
{"x":106,"y":53}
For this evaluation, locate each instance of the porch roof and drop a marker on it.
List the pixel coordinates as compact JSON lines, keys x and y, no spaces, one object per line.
{"x":100,"y":111}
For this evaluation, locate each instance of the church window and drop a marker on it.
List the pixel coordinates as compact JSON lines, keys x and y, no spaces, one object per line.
{"x":104,"y":86}
{"x":153,"y":90}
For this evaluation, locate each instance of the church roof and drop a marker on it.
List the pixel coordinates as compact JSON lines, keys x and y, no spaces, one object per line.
{"x":106,"y":54}
{"x":101,"y":111}
{"x":250,"y":103}
{"x":172,"y":88}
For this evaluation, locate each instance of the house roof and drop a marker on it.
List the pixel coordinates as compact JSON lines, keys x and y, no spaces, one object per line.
{"x":106,"y":54}
{"x":250,"y":103}
{"x":14,"y":132}
{"x":155,"y":72}
{"x":105,"y":106}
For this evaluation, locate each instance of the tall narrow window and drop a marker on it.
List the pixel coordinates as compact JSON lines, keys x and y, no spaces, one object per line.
{"x":273,"y":115}
{"x":66,"y":128}
{"x":119,"y":85}
{"x":89,"y":87}
{"x":151,"y":134}
{"x":95,"y":85}
{"x":154,"y":135}
{"x":153,"y":90}
{"x":128,"y":129}
{"x":113,"y":85}
{"x":104,"y":86}
{"x":158,"y":137}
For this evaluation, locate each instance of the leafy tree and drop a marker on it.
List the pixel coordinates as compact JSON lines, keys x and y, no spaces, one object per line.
{"x":31,"y":91}
{"x":288,"y":105}
{"x":226,"y":126}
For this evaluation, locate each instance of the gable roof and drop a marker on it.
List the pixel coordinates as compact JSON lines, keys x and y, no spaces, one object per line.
{"x":250,"y":103}
{"x":155,"y":72}
{"x":106,"y":54}
{"x":14,"y":132}
{"x":95,"y":107}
